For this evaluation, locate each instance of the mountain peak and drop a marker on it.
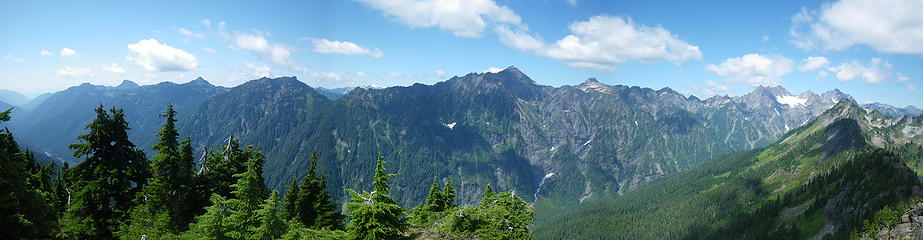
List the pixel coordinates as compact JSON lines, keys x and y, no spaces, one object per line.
{"x":127,"y":84}
{"x":590,"y":80}
{"x":511,"y":68}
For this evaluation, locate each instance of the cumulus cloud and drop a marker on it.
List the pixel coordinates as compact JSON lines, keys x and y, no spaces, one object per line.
{"x":72,"y":72}
{"x":206,"y":22}
{"x":603,"y":41}
{"x":876,"y":71}
{"x":259,"y":71}
{"x":188,"y":33}
{"x":813,"y":63}
{"x":343,"y":47}
{"x":113,"y":68}
{"x":11,"y":58}
{"x":67,"y":52}
{"x":891,"y":26}
{"x":754,"y":69}
{"x":44,"y":52}
{"x":258,"y":45}
{"x":440,"y":73}
{"x":463,"y":18}
{"x":361,"y":74}
{"x":492,"y":70}
{"x":155,"y":56}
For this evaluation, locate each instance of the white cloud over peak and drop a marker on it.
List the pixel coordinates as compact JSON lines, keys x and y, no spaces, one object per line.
{"x":260,"y":71}
{"x":463,"y":18}
{"x":44,"y":52}
{"x":440,"y":73}
{"x":604,"y":41}
{"x":67,"y":52}
{"x":113,"y":68}
{"x":891,"y":26}
{"x":361,"y":74}
{"x":876,"y":71}
{"x":276,"y":53}
{"x":813,"y":63}
{"x":155,"y":56}
{"x":72,"y":72}
{"x":754,"y":69}
{"x":492,"y":70}
{"x":188,"y":33}
{"x":343,"y":47}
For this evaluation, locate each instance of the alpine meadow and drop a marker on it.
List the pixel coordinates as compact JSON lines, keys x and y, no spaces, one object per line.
{"x":461,"y":119}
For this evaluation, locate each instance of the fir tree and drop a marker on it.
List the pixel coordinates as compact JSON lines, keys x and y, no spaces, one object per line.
{"x":448,"y":195}
{"x":104,"y":184}
{"x":488,"y":195}
{"x":434,"y":198}
{"x":290,"y":205}
{"x":271,"y":225}
{"x":26,"y":207}
{"x":375,"y":215}
{"x":314,"y":206}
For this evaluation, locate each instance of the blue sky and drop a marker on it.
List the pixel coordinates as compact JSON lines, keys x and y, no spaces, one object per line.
{"x":870,"y":49}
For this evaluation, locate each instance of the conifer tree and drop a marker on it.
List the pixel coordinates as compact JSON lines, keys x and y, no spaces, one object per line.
{"x":375,"y":215}
{"x":290,"y":205}
{"x":271,"y":226}
{"x":448,"y":195}
{"x":26,"y":210}
{"x":315,"y":209}
{"x":434,"y":198}
{"x":488,"y":195}
{"x":107,"y":180}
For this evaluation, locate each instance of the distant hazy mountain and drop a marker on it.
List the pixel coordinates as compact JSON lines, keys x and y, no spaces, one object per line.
{"x":65,"y":113}
{"x":820,"y":181}
{"x":34,"y":102}
{"x":13,"y":98}
{"x":894,"y":111}
{"x":333,"y":93}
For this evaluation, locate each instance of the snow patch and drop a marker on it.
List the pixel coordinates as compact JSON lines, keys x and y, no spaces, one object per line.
{"x":792,"y":101}
{"x":449,"y":125}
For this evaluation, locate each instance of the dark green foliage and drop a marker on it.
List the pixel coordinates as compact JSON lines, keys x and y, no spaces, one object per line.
{"x":290,"y":205}
{"x":375,"y":215}
{"x":105,"y":183}
{"x":27,"y":202}
{"x":314,"y":207}
{"x":271,"y":226}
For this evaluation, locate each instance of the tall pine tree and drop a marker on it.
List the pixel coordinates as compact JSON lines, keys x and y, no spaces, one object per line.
{"x":26,"y":201}
{"x":107,"y":180}
{"x":314,"y":206}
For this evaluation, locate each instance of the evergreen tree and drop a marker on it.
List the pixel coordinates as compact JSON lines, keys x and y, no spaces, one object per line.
{"x":488,"y":195}
{"x":213,"y":224}
{"x":290,"y":205}
{"x":271,"y":224}
{"x":375,"y":215}
{"x":434,"y":198}
{"x":249,"y":193}
{"x":104,"y":184}
{"x":26,"y":204}
{"x":448,"y":195}
{"x":164,"y":202}
{"x":314,"y":206}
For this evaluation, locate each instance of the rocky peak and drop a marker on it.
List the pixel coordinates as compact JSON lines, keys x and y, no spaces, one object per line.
{"x":127,"y":84}
{"x":591,"y":84}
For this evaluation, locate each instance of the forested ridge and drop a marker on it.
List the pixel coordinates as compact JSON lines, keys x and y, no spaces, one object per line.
{"x":116,"y":192}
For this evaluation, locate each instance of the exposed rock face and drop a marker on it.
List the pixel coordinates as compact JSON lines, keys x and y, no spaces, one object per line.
{"x":910,"y":226}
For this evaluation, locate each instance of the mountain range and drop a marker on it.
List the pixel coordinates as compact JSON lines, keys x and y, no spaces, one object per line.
{"x":561,"y":145}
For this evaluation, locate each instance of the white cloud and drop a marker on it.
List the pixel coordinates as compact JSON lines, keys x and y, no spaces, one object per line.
{"x":188,"y":33}
{"x":902,"y":78}
{"x":11,"y":58}
{"x":876,"y":71}
{"x":822,"y":74}
{"x":113,"y":68}
{"x":343,"y":47}
{"x":326,"y":76}
{"x":397,"y":75}
{"x":571,"y":2}
{"x":206,"y":22}
{"x":440,"y":73}
{"x":155,"y":56}
{"x":754,"y":69}
{"x":211,"y":51}
{"x":67,"y":52}
{"x":911,"y":87}
{"x":603,"y":41}
{"x":463,"y":18}
{"x":891,"y":26}
{"x":260,"y":71}
{"x":361,"y":74}
{"x":492,"y":70}
{"x":72,"y":72}
{"x":44,"y":53}
{"x":813,"y":63}
{"x":275,"y":53}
